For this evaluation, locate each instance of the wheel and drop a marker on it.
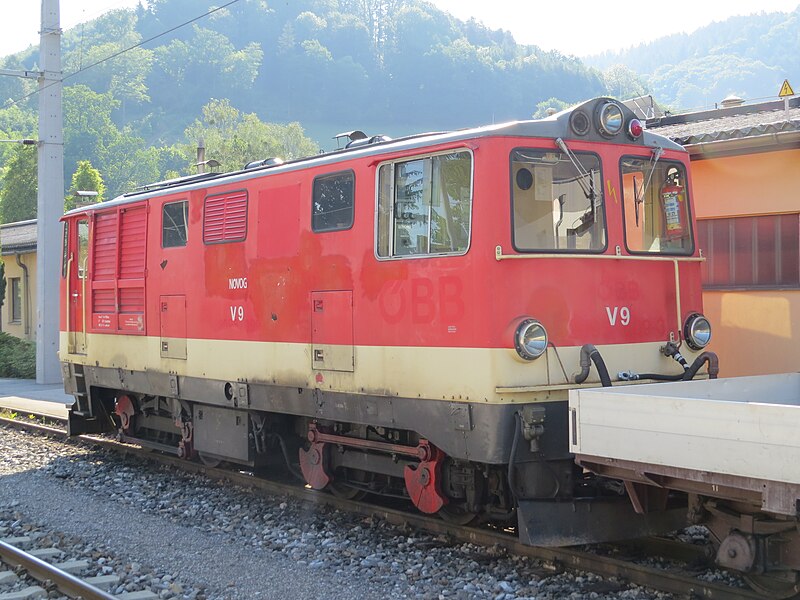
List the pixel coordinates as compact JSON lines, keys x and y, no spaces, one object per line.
{"x":457,"y":514}
{"x":778,"y":585}
{"x":341,"y":489}
{"x":346,"y":492}
{"x":209,"y":460}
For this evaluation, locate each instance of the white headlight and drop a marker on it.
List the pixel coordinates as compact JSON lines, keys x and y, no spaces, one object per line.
{"x":697,"y":331}
{"x":530,"y":339}
{"x":610,"y":119}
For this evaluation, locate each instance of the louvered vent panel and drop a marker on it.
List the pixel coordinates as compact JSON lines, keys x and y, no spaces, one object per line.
{"x":131,"y":300}
{"x":103,"y":301}
{"x":105,"y":246}
{"x":132,"y":243}
{"x":225,"y":218}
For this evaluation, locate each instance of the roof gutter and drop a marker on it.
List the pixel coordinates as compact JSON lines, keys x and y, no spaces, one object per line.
{"x":765,"y":141}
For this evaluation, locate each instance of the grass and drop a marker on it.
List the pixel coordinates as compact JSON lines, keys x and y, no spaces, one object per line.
{"x":17,"y":357}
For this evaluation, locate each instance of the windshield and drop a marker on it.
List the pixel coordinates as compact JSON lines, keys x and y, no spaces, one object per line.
{"x":558,"y":201}
{"x":656,"y":205}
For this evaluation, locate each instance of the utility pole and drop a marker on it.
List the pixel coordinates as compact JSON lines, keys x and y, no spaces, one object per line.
{"x":50,"y":201}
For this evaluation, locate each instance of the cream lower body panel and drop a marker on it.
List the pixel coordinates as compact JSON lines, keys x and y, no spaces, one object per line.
{"x":490,"y":375}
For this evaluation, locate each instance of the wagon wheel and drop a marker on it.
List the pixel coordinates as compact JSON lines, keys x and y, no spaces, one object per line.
{"x":778,"y":585}
{"x":457,"y":514}
{"x":209,"y":460}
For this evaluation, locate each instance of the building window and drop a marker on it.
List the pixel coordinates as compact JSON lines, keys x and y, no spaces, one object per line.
{"x":425,"y":206}
{"x":332,"y":203}
{"x":16,"y":300}
{"x":174,"y":217}
{"x":225,"y":218}
{"x":751,"y":252}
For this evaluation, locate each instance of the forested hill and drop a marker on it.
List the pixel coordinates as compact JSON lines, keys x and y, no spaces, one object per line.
{"x":402,"y":65}
{"x":259,"y":77}
{"x":749,"y":56}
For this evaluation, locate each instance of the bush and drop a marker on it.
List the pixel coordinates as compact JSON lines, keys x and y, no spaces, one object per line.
{"x":17,"y":357}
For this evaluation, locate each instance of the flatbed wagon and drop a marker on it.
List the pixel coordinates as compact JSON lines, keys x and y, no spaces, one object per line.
{"x":731,"y":444}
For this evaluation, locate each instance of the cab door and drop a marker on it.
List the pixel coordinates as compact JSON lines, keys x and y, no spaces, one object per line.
{"x":77,"y":274}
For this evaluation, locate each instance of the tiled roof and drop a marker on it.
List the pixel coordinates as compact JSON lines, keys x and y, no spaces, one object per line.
{"x":729,"y":123}
{"x":18,"y":237}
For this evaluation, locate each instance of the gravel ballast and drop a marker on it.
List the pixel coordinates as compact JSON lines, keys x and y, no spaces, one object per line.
{"x":185,"y":536}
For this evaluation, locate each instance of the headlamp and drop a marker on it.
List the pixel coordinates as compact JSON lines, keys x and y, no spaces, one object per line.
{"x":697,"y":331}
{"x":530,"y":339}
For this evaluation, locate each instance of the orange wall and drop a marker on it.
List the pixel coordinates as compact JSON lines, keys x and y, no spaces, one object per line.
{"x":751,"y":184}
{"x":758,"y":331}
{"x":754,"y":332}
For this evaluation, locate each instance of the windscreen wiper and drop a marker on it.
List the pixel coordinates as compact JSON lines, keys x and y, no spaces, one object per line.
{"x":658,"y":152}
{"x":588,"y":189}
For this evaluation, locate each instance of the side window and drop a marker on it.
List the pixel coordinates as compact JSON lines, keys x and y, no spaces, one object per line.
{"x":83,"y":247}
{"x":225,"y":218}
{"x":332,"y":202}
{"x":174,"y":217}
{"x":425,"y":206}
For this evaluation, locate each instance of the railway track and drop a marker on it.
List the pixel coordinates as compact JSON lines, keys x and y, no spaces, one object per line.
{"x":595,"y":560}
{"x":20,"y":568}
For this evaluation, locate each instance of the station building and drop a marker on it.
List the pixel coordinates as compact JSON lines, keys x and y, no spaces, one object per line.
{"x":746,"y":181}
{"x":18,"y":252}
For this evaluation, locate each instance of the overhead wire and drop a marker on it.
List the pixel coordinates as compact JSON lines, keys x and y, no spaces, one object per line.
{"x":123,"y":51}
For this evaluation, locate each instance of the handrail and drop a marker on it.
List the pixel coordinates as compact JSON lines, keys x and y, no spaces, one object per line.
{"x":70,"y":346}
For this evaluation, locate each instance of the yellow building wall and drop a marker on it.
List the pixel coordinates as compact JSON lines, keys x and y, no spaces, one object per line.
{"x":746,"y":185}
{"x":754,"y":331}
{"x":26,"y":327}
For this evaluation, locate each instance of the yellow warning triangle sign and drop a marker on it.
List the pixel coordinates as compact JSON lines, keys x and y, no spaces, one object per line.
{"x":786,"y":89}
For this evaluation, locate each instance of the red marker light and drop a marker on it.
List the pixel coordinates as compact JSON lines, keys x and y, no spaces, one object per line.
{"x":635,"y":128}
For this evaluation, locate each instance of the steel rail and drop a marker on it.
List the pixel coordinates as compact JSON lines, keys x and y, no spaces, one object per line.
{"x":659,"y":579}
{"x":71,"y":586}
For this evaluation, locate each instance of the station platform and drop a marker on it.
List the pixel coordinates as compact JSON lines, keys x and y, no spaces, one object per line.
{"x":25,"y":395}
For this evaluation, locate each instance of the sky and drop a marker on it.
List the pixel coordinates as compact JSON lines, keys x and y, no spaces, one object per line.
{"x":543,"y":23}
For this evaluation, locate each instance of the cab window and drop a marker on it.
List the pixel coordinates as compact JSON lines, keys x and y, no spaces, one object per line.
{"x":656,"y":205}
{"x":557,"y":201}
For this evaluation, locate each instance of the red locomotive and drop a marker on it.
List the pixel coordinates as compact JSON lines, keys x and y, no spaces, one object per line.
{"x":400,"y":317}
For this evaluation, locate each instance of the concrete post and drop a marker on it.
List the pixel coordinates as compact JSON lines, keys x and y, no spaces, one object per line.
{"x":50,"y":201}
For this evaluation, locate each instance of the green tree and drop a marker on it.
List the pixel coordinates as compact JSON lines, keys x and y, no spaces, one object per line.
{"x":546,"y":106}
{"x":20,"y":184}
{"x":234,"y":138}
{"x":88,"y":124}
{"x":624,"y":83}
{"x":110,"y":34}
{"x":85,"y":179}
